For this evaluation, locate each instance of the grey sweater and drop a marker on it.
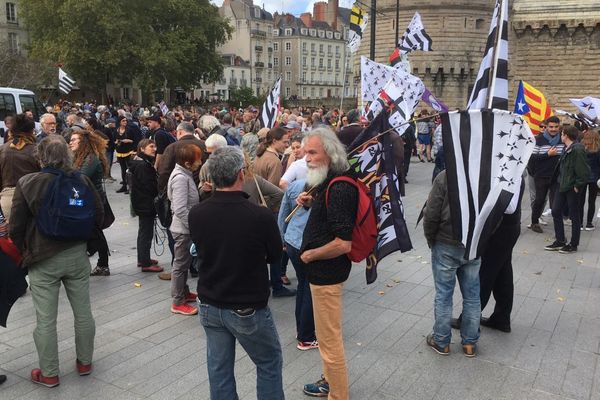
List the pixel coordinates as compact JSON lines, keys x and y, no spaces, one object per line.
{"x":437,"y":220}
{"x":183,"y":193}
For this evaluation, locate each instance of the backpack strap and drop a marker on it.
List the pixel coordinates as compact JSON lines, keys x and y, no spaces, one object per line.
{"x":342,"y":178}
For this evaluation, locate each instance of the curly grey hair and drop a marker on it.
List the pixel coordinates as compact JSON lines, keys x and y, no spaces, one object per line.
{"x":333,"y":147}
{"x":54,"y":152}
{"x":250,"y":144}
{"x":224,"y":166}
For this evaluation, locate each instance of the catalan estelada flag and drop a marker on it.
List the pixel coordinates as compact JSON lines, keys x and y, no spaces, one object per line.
{"x":532,"y":105}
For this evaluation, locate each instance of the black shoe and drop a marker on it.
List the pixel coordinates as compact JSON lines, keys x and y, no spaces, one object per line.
{"x":555,"y":246}
{"x":455,"y":323}
{"x":444,"y":351}
{"x":568,"y":249}
{"x":123,"y":190}
{"x":536,"y":228}
{"x":487,"y":322}
{"x":100,"y":271}
{"x":405,"y":180}
{"x":284,"y":292}
{"x":2,"y":379}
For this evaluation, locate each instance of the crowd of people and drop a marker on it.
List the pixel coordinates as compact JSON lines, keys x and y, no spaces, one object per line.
{"x":217,"y":168}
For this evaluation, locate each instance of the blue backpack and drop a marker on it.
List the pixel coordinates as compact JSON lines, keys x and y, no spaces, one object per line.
{"x":68,"y":211}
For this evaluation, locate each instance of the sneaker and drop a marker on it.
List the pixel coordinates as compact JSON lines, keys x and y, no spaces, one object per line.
{"x":84,"y":369}
{"x":547,"y":213}
{"x":285,"y":280}
{"x":48,"y":381}
{"x":100,"y":271}
{"x":469,"y":350}
{"x":555,"y":246}
{"x":590,"y":227}
{"x":165,"y":276}
{"x":152,"y":268}
{"x":191,"y":297}
{"x":318,"y":389}
{"x":284,"y":292}
{"x":444,"y":351}
{"x":152,"y":262}
{"x":183,"y":309}
{"x":308,"y":345}
{"x":123,"y":189}
{"x":536,"y":228}
{"x":542,"y":221}
{"x":568,"y":249}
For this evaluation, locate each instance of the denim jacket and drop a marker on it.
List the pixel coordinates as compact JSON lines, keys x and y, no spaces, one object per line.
{"x":292,"y":232}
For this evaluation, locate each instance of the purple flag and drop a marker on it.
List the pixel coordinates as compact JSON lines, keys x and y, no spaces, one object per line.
{"x":434,"y":102}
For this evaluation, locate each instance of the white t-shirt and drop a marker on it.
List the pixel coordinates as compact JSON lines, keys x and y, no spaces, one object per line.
{"x":298,"y":170}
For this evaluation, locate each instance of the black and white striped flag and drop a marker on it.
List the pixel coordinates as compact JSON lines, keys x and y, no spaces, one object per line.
{"x":65,"y":82}
{"x":268,"y":114}
{"x":415,"y":37}
{"x":486,"y":153}
{"x":495,"y":62}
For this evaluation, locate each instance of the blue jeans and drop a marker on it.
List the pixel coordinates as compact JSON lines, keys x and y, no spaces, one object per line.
{"x":305,"y":321}
{"x":257,"y":336}
{"x":448,"y":263}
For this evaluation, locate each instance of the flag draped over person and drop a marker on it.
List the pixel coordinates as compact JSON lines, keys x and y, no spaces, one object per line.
{"x":373,"y":163}
{"x":358,"y":22}
{"x":270,"y":108}
{"x":415,"y":37}
{"x":492,"y":78}
{"x":486,"y":153}
{"x":532,"y":105}
{"x":65,"y":82}
{"x":399,"y":98}
{"x":589,"y":106}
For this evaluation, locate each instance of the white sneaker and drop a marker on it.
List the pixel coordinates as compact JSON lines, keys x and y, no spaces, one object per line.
{"x":547,"y":213}
{"x":542,"y":222}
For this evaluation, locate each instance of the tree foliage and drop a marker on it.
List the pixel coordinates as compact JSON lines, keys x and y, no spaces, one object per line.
{"x":242,"y":97}
{"x":19,"y":71}
{"x":158,"y":43}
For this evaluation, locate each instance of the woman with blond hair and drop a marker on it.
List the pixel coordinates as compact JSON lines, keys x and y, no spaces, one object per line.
{"x":89,"y":158}
{"x":591,"y":141}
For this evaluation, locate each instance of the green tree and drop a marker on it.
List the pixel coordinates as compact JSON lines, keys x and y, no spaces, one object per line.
{"x":158,"y":43}
{"x":242,"y":97}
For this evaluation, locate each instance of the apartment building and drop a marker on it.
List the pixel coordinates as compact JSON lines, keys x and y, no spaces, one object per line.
{"x":13,"y":34}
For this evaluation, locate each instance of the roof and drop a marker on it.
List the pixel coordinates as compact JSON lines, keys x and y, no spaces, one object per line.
{"x":14,"y":90}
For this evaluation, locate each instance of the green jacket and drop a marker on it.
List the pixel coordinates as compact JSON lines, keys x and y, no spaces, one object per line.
{"x":574,"y":169}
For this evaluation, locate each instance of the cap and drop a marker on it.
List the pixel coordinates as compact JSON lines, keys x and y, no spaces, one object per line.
{"x":154,"y":118}
{"x":292,"y":125}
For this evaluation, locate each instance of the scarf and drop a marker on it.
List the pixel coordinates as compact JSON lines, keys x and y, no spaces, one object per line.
{"x":552,"y":140}
{"x":21,"y":140}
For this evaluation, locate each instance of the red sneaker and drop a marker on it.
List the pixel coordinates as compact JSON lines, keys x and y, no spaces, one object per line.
{"x":84,"y":369}
{"x":308,"y":345}
{"x":48,"y":381}
{"x":191,"y":297}
{"x":183,"y":309}
{"x":152,"y":262}
{"x":152,"y":268}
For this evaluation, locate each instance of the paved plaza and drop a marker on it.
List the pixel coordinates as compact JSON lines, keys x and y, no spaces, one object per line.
{"x":144,"y":351}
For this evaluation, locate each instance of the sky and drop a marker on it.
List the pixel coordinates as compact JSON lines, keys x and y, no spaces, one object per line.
{"x":295,"y":7}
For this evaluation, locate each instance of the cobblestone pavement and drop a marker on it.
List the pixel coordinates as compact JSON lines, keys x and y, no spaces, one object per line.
{"x":144,"y":351}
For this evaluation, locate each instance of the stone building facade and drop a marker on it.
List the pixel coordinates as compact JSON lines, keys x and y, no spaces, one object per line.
{"x":554,"y":45}
{"x":13,"y":34}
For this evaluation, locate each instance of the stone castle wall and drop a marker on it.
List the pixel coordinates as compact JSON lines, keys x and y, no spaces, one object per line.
{"x":557,"y":52}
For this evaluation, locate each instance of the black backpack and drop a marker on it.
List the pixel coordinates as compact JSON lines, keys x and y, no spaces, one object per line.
{"x":68,"y":211}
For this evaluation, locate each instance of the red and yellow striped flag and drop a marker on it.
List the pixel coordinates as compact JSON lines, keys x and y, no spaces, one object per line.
{"x":539,"y":110}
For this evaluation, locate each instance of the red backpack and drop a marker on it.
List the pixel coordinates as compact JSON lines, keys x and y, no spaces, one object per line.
{"x":364,"y":234}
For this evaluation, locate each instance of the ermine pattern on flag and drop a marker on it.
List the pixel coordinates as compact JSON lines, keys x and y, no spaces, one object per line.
{"x":532,"y":105}
{"x":478,"y":98}
{"x":589,"y":106}
{"x":65,"y":82}
{"x":415,"y":37}
{"x":375,"y":76}
{"x":486,"y":153}
{"x":270,"y":108}
{"x":358,"y":22}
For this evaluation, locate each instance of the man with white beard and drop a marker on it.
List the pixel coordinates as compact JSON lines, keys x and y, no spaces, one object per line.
{"x":326,"y":242}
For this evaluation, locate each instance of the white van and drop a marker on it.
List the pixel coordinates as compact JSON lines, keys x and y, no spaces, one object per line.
{"x":15,"y":101}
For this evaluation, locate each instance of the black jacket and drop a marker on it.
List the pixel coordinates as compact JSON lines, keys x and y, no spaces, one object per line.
{"x":235,"y":240}
{"x":144,"y":185}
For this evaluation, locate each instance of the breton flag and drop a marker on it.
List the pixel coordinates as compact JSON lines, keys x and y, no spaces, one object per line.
{"x":65,"y":82}
{"x":532,"y":105}
{"x":399,"y":98}
{"x":589,"y":106}
{"x":495,"y":60}
{"x":486,"y":153}
{"x":270,"y":108}
{"x":375,"y":76}
{"x":579,"y":117}
{"x":374,"y":165}
{"x":164,"y":109}
{"x":415,"y":37}
{"x":358,"y":22}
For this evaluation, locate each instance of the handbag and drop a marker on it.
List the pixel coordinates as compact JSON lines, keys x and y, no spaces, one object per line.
{"x":109,"y":216}
{"x":162,"y":204}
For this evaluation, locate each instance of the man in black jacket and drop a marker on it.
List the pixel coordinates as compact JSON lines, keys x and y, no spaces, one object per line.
{"x":236,"y":240}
